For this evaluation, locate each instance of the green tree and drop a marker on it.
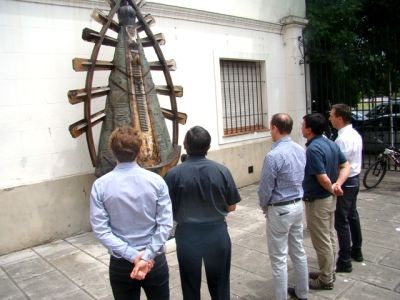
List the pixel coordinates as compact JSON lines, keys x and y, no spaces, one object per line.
{"x":352,"y":49}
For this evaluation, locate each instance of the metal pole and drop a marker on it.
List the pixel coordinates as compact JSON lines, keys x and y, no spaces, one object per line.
{"x":391,"y":112}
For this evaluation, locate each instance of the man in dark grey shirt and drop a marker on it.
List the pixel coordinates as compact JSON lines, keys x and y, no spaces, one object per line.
{"x":203,"y":193}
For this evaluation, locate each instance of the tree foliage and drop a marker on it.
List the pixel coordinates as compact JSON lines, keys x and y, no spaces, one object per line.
{"x":352,"y":49}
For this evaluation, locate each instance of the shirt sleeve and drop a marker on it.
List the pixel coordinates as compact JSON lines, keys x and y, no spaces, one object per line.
{"x":170,"y":181}
{"x":267,"y":181}
{"x":346,"y":148}
{"x":342,"y":157}
{"x":100,"y":222}
{"x":233,"y":196}
{"x":315,"y":162}
{"x":163,"y":223}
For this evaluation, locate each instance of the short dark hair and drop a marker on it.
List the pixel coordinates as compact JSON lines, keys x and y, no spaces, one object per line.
{"x":317,"y":122}
{"x":343,"y":111}
{"x":283,"y":122}
{"x":197,"y":141}
{"x":125,"y":143}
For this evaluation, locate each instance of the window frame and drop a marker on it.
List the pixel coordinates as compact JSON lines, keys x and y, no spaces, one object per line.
{"x":241,"y":137}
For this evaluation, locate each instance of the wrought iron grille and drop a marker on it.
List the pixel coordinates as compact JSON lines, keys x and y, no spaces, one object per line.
{"x":242,"y":95}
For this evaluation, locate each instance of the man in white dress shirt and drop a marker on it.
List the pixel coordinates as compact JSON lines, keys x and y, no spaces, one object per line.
{"x":347,"y":221}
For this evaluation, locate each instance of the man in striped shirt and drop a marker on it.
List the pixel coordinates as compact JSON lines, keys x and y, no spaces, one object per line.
{"x":280,"y":192}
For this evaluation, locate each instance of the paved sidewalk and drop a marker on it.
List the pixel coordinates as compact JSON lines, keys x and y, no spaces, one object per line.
{"x":76,"y":267}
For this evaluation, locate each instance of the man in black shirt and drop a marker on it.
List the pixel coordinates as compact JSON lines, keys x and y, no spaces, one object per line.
{"x":203,"y":192}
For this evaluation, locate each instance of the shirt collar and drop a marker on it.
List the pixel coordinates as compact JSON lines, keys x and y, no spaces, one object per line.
{"x":314,"y":138}
{"x":281,"y":140}
{"x":126,"y":165}
{"x":345,"y":128}
{"x":195,"y":157}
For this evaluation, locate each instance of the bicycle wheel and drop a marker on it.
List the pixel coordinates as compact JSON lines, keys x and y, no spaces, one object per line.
{"x":374,"y":174}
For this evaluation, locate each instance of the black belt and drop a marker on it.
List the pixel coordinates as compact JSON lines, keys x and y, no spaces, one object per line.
{"x":309,"y":199}
{"x":285,"y":202}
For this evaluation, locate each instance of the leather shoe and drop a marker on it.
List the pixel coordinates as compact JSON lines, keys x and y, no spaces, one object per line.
{"x":292,"y":293}
{"x":357,"y":255}
{"x":344,"y":268}
{"x":317,"y":284}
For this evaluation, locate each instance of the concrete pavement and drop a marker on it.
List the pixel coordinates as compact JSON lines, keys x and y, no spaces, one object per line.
{"x":77,"y":267}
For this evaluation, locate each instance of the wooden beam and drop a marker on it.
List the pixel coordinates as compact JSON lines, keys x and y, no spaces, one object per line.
{"x":80,"y":127}
{"x":80,"y":95}
{"x":168,"y":114}
{"x":158,"y":66}
{"x":164,"y":90}
{"x":93,"y":36}
{"x":83,"y":64}
{"x":102,"y":18}
{"x":147,"y":42}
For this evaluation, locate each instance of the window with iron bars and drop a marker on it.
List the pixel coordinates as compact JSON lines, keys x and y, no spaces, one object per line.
{"x":242,"y":97}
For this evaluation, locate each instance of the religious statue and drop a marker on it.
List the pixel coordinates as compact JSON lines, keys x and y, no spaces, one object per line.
{"x":131,"y":95}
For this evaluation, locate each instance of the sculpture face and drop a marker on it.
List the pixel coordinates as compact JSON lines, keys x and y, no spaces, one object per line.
{"x":131,"y":93}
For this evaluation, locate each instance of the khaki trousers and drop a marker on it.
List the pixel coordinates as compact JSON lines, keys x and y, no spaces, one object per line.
{"x":320,"y":215}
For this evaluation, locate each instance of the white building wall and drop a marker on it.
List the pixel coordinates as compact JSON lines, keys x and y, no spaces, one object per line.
{"x":40,"y":161}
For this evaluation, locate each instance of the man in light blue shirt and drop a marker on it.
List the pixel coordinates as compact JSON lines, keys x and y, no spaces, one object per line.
{"x":280,"y":192}
{"x":131,"y":215}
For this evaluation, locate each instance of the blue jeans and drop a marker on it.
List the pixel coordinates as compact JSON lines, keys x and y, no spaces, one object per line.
{"x":155,"y":285}
{"x":285,"y":231}
{"x":347,"y":221}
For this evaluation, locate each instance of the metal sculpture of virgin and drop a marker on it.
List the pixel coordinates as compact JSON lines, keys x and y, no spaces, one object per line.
{"x":131,"y":95}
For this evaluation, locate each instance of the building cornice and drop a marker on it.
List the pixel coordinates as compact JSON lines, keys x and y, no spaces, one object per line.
{"x":200,"y":16}
{"x":294,"y":21}
{"x":72,"y":3}
{"x":178,"y":13}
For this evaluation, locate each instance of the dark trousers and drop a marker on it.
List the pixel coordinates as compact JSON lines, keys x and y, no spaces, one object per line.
{"x":155,"y":285}
{"x":347,"y":221}
{"x":212,"y":244}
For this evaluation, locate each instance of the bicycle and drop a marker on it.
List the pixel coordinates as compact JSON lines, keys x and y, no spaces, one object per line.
{"x":375,"y":173}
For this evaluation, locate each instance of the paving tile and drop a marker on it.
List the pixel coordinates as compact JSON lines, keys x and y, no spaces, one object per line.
{"x":17,"y":256}
{"x":55,"y":250}
{"x":250,"y":260}
{"x":28,"y":268}
{"x":174,"y":277}
{"x":105,"y":259}
{"x":373,"y":253}
{"x":75,"y":263}
{"x":248,"y":240}
{"x":392,"y":260}
{"x":88,"y":243}
{"x":367,"y":202}
{"x":376,"y":225}
{"x":246,"y":224}
{"x":172,"y":259}
{"x":95,"y":282}
{"x":384,"y":240}
{"x":8,"y":290}
{"x":48,"y":286}
{"x":174,"y":292}
{"x":378,"y":275}
{"x":361,"y":290}
{"x":248,"y":285}
{"x":76,"y":295}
